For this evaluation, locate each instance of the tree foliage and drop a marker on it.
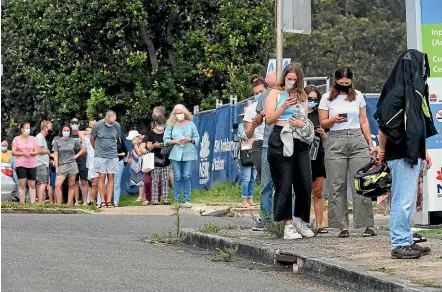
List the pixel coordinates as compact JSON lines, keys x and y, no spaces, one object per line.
{"x":79,"y":58}
{"x":367,"y":36}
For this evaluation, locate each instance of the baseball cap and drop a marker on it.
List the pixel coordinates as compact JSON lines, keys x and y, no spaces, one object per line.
{"x":74,"y":121}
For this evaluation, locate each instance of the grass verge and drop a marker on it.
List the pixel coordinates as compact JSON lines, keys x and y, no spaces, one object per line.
{"x":430,"y":231}
{"x":222,"y":192}
{"x":17,"y":205}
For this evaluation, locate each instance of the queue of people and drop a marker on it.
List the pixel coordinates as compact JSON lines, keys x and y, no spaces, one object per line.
{"x":301,"y":122}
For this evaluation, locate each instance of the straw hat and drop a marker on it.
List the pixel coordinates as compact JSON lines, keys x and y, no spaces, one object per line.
{"x":244,"y":113}
{"x":132,"y":135}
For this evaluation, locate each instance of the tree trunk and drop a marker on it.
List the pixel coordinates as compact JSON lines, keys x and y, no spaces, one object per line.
{"x":169,"y":39}
{"x":150,"y":48}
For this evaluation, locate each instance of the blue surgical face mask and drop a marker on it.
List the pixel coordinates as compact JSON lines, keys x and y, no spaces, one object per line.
{"x":4,"y":149}
{"x":27,"y":132}
{"x":312,"y":104}
{"x":75,"y":127}
{"x":289,"y":84}
{"x":66,"y":134}
{"x":258,"y":96}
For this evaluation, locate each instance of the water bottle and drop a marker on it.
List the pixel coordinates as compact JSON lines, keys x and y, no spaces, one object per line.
{"x":299,"y":112}
{"x":182,"y":137}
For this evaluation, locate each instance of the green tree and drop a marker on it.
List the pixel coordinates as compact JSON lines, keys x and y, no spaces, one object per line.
{"x":80,"y":58}
{"x":364,"y":35}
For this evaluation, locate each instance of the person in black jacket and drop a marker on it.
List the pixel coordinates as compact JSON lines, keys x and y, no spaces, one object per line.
{"x":405,"y":121}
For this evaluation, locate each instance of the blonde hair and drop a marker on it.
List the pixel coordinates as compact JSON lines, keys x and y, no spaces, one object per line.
{"x":172,"y":118}
{"x":45,"y":124}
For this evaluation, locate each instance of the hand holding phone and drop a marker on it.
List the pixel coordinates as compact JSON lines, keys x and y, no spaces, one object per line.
{"x":339,"y":119}
{"x":344,"y":115}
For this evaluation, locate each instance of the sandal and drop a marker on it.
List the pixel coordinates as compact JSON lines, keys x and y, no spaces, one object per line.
{"x":102,"y":205}
{"x":369,"y":232}
{"x":344,"y":233}
{"x":166,"y":202}
{"x":322,"y":230}
{"x":417,"y":238}
{"x":109,"y":205}
{"x":155,"y":203}
{"x":146,"y":203}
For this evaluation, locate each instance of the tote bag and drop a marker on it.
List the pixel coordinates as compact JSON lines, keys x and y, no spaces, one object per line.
{"x":148,"y":162}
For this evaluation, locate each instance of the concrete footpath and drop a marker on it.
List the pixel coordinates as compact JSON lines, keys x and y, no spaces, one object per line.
{"x":356,"y":263}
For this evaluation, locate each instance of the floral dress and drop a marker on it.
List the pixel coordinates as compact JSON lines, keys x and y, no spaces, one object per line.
{"x":136,"y":175}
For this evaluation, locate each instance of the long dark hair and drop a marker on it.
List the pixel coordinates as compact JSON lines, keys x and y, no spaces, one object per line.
{"x":340,"y":73}
{"x":299,"y":85}
{"x":257,"y":80}
{"x":311,"y":88}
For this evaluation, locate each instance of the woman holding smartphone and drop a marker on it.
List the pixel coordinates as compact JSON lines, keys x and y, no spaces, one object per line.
{"x":160,"y":174}
{"x":287,"y":107}
{"x":348,"y":148}
{"x":317,"y":155}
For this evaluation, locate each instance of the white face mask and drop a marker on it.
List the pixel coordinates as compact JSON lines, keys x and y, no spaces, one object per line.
{"x":180,"y":117}
{"x":160,"y":128}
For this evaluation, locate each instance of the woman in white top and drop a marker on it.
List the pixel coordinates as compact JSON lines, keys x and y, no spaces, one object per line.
{"x":348,"y":148}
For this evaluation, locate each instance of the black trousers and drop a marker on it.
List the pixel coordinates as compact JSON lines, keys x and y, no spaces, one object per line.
{"x":257,"y":159}
{"x":287,"y":173}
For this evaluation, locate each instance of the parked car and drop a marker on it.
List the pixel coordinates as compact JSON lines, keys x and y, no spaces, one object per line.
{"x":8,"y":183}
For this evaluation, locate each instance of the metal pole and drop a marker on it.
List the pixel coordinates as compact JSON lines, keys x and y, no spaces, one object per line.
{"x":279,"y":37}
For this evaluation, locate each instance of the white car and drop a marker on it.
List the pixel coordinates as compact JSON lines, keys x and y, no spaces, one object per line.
{"x":8,"y":183}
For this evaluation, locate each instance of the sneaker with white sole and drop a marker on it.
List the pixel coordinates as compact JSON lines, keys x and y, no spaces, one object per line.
{"x":291,"y":233}
{"x":302,"y":228}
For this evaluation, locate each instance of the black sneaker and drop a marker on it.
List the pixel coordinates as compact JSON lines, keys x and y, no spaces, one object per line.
{"x":424,"y":250}
{"x":405,"y":252}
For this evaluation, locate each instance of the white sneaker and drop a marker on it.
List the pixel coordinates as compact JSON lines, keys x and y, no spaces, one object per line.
{"x":302,"y":228}
{"x":291,"y":233}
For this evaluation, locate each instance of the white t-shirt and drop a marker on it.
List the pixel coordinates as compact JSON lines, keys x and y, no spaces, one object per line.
{"x":249,"y":117}
{"x":342,"y":106}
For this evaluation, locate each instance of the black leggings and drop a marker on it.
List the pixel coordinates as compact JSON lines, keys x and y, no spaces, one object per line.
{"x":288,"y":172}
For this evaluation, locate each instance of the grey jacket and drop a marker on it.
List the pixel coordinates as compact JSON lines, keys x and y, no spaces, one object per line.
{"x":288,"y":133}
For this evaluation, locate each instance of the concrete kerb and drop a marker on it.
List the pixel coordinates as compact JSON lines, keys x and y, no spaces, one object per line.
{"x":345,"y":274}
{"x":43,"y":211}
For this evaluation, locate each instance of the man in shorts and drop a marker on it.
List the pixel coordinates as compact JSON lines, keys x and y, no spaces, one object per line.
{"x":43,"y":161}
{"x":104,"y":137}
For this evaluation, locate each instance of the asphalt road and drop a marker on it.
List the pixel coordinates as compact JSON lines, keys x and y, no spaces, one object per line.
{"x":109,"y":253}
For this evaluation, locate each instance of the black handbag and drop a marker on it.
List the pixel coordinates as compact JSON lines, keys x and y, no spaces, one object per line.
{"x":161,"y":161}
{"x":165,"y":151}
{"x":245,"y":157}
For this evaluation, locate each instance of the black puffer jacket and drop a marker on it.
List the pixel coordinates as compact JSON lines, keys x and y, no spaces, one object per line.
{"x":403,"y":112}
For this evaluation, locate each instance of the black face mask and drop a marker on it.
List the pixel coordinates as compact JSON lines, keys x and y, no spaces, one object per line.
{"x":343,"y":88}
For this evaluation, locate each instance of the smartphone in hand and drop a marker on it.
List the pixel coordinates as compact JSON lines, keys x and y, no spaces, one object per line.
{"x":344,"y":115}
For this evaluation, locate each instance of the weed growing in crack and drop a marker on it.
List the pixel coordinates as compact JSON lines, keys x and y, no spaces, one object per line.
{"x":385,"y":270}
{"x":212,"y":227}
{"x":177,"y":214}
{"x":274,"y":228}
{"x":226,"y":255}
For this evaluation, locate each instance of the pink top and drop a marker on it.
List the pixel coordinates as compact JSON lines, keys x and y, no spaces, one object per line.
{"x":25,"y":145}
